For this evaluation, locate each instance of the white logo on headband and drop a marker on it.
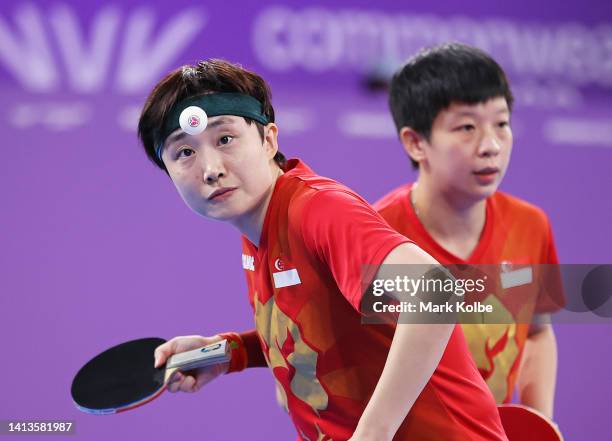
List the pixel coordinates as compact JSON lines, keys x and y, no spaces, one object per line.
{"x":193,"y":120}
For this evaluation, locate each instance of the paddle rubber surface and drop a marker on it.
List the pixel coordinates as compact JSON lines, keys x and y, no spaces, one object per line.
{"x":119,"y":378}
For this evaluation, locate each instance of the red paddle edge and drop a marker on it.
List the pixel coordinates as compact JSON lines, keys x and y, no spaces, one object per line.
{"x":539,"y":414}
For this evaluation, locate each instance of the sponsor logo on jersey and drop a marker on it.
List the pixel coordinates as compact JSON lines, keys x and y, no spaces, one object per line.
{"x":248,"y":262}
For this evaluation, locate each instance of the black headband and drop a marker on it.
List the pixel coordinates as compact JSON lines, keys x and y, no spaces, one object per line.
{"x":192,"y":113}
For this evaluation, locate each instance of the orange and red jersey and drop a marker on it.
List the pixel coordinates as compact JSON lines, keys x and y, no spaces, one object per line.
{"x":515,"y":233}
{"x":305,"y":287}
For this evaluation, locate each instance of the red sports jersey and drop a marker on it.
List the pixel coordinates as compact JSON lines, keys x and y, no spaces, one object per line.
{"x":305,"y":287}
{"x":515,"y":232}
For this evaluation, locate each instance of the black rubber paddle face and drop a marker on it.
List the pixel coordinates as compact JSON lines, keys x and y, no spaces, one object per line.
{"x":119,"y":377}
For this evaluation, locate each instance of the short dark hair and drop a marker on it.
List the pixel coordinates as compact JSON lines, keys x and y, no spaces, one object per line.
{"x":435,"y":77}
{"x":207,"y":76}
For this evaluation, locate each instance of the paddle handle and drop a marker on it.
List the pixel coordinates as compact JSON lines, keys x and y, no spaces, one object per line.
{"x":215,"y":353}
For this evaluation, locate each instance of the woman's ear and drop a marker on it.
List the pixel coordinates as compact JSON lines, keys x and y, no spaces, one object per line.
{"x":270,"y":141}
{"x":413,"y":143}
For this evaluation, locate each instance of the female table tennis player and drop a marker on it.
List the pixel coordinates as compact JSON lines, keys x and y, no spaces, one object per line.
{"x":210,"y":127}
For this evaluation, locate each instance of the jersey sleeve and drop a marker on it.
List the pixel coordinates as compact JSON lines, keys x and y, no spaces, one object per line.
{"x":551,"y":297}
{"x":349,"y":237}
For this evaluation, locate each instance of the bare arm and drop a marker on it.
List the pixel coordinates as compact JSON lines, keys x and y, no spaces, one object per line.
{"x":415,"y":353}
{"x":538,"y":370}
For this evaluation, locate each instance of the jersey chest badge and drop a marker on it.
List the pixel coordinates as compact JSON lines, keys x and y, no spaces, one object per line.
{"x":515,"y":274}
{"x":284,"y":276}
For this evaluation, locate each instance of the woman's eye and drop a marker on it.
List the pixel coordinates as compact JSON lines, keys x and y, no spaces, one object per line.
{"x":225,"y":139}
{"x":185,"y":153}
{"x":466,"y":128}
{"x":503,"y":124}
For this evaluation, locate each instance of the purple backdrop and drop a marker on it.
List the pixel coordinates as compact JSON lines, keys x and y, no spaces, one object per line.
{"x":97,"y":247}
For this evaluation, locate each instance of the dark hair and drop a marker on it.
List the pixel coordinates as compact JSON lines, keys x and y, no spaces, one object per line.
{"x":206,"y":76}
{"x":434,"y":78}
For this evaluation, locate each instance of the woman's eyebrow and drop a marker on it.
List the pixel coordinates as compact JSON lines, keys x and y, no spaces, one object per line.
{"x":176,"y":136}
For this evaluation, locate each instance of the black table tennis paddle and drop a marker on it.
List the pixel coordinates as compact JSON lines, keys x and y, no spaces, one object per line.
{"x":123,"y":377}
